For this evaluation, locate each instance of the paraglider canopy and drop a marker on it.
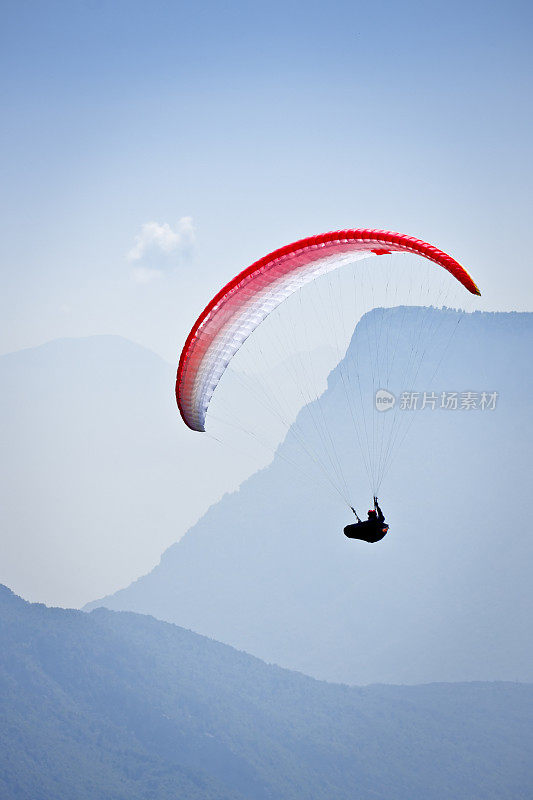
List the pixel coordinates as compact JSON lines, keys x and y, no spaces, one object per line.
{"x":240,"y":306}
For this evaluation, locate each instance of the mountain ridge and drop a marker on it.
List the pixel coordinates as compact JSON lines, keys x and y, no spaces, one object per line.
{"x":92,"y":484}
{"x":143,"y":706}
{"x":279,"y":580}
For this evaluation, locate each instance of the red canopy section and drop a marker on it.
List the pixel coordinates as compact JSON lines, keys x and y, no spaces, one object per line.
{"x":236,"y":311}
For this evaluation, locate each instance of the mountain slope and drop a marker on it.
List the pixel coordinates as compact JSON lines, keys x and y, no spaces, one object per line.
{"x":446,"y":596}
{"x":124,"y":706}
{"x":92,"y":478}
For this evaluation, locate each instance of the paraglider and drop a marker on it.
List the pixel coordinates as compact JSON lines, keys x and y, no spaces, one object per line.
{"x":251,"y":297}
{"x":371,"y":530}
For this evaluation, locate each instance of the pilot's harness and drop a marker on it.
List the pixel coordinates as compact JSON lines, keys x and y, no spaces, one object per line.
{"x":385,"y":527}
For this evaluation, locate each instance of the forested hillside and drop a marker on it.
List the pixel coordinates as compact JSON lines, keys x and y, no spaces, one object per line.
{"x":123,"y":706}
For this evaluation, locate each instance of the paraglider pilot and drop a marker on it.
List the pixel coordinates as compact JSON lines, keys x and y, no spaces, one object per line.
{"x":372,"y":529}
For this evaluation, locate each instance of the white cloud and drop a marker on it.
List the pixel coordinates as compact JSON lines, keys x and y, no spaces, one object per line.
{"x":158,"y":247}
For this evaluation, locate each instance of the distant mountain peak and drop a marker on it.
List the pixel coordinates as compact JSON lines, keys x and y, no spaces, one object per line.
{"x":268,"y":570}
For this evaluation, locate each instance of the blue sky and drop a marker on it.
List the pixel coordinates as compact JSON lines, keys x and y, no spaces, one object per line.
{"x":262,"y":123}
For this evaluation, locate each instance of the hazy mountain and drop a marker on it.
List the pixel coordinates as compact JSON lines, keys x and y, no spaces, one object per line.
{"x":93,"y":482}
{"x":117,"y":705}
{"x":446,"y":596}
